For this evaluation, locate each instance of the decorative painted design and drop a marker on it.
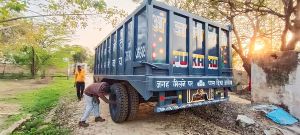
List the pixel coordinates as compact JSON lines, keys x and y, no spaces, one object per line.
{"x":198,"y":61}
{"x":189,"y":105}
{"x":200,"y":83}
{"x":180,"y":59}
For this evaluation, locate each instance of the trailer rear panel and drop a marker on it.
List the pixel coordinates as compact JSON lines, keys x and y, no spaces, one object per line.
{"x":159,"y":48}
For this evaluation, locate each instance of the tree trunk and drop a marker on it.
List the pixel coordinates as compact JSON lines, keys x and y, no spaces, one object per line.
{"x":3,"y":72}
{"x":283,"y":38}
{"x":246,"y":61}
{"x":32,"y":68}
{"x":247,"y":67}
{"x":43,"y":74}
{"x":295,"y":29}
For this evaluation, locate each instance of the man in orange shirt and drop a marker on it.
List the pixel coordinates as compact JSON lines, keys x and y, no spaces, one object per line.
{"x":80,"y":81}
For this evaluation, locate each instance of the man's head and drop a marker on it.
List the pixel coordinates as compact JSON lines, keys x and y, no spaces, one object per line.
{"x":79,"y":68}
{"x":104,"y":88}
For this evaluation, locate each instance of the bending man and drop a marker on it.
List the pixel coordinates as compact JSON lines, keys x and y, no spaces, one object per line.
{"x":91,"y":98}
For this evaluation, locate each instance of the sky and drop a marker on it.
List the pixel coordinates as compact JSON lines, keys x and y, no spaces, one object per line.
{"x":90,"y":36}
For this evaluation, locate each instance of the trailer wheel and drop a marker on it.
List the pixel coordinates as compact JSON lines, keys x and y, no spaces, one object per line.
{"x":133,"y":100}
{"x":118,"y":111}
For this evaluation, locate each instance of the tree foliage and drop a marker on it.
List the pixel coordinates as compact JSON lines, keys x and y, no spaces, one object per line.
{"x":37,"y":37}
{"x":80,"y":56}
{"x":252,"y":21}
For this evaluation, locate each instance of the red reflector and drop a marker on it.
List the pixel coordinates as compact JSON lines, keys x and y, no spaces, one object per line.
{"x":161,"y":98}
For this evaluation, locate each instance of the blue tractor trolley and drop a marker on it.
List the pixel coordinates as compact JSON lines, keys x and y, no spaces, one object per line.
{"x":165,"y":55}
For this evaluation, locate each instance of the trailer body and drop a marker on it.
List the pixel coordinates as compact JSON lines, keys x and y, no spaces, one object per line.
{"x":176,"y":58}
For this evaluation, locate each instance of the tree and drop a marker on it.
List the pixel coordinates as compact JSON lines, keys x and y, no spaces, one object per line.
{"x":9,"y":8}
{"x":80,"y":56}
{"x":34,"y":40}
{"x":230,"y":12}
{"x":289,"y":13}
{"x":71,"y":13}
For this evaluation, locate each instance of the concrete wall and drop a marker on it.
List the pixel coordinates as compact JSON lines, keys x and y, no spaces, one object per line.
{"x":241,"y":79}
{"x":276,"y":79}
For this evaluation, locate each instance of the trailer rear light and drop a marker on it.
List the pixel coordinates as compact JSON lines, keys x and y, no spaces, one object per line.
{"x":153,"y":55}
{"x":160,"y":39}
{"x":162,"y":98}
{"x":180,"y":96}
{"x":161,"y":50}
{"x":154,"y":45}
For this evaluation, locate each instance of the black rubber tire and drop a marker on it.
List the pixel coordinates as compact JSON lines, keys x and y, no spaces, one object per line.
{"x":118,"y":111}
{"x":133,"y":100}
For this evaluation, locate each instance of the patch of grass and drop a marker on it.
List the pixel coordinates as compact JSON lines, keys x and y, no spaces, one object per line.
{"x":10,"y":120}
{"x":38,"y":103}
{"x":43,"y":99}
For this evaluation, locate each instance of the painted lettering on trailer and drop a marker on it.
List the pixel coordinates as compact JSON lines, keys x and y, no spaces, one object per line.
{"x":213,"y":62}
{"x":159,"y":23}
{"x":219,"y":82}
{"x":190,"y":83}
{"x":128,"y":55}
{"x":120,"y":61}
{"x":182,"y":83}
{"x":212,"y":38}
{"x":179,"y":84}
{"x":180,"y":59}
{"x":180,"y":29}
{"x":113,"y":63}
{"x":198,"y":61}
{"x":198,"y":32}
{"x":162,"y":84}
{"x":211,"y":83}
{"x":140,"y":52}
{"x":228,"y":82}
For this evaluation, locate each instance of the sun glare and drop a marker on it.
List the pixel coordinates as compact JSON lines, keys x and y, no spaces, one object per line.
{"x":289,"y":36}
{"x":259,"y":45}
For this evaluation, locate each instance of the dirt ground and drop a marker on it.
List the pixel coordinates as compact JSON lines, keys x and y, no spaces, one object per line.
{"x":11,"y":87}
{"x":208,"y":120}
{"x":8,"y":89}
{"x":146,"y":123}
